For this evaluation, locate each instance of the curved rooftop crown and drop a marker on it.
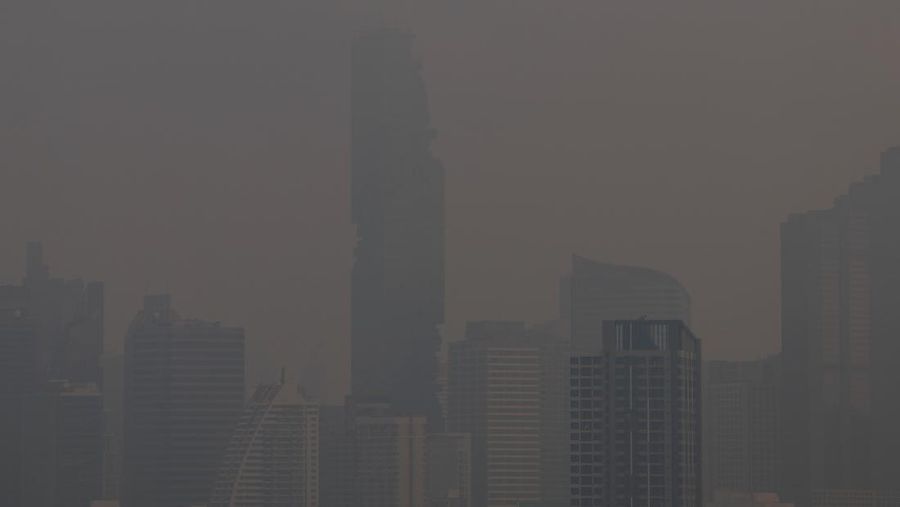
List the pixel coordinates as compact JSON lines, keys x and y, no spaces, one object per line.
{"x":627,"y":276}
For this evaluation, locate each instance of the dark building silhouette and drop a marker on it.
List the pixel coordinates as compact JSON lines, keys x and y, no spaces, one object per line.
{"x":183,"y":395}
{"x":636,"y":417}
{"x":840,"y":291}
{"x":63,"y":446}
{"x":18,"y":379}
{"x":740,"y":425}
{"x":69,"y":319}
{"x":51,"y":330}
{"x":398,"y":210}
{"x":595,"y":292}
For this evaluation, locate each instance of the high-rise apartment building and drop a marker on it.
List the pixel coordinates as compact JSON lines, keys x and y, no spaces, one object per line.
{"x":63,"y":446}
{"x":398,"y":209}
{"x":740,"y":425}
{"x":272,"y":459}
{"x":495,"y":395}
{"x":184,"y":393}
{"x":635,"y":417}
{"x":840,"y":288}
{"x":595,"y":292}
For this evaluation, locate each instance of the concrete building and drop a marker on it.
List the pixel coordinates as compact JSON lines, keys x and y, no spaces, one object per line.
{"x":272,"y":459}
{"x":840,"y":291}
{"x":449,"y":470}
{"x":184,"y":392}
{"x":635,"y":417}
{"x":740,"y":425}
{"x":495,"y":396}
{"x":398,"y":208}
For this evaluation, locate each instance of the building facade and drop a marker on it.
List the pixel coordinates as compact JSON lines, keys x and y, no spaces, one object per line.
{"x":389,"y":451}
{"x":741,"y":421}
{"x":495,"y":396}
{"x":183,"y":395}
{"x":449,"y":470}
{"x":63,"y":446}
{"x":397,"y":196}
{"x":272,"y":459}
{"x":636,"y":418}
{"x":840,"y":288}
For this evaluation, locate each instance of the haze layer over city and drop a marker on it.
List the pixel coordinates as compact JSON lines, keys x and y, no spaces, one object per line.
{"x":227,"y":165}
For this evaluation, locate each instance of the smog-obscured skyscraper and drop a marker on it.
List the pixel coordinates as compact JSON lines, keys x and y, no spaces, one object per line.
{"x":272,"y":459}
{"x":840,"y":292}
{"x":184,"y":393}
{"x":398,"y":210}
{"x":635,"y":417}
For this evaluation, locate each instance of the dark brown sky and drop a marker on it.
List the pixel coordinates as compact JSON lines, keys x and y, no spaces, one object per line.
{"x":200,"y":148}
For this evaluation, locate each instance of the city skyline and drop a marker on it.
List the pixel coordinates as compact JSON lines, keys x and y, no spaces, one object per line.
{"x":523,"y":255}
{"x":89,"y":136}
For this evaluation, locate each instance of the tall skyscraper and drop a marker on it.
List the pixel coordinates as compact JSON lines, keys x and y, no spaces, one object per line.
{"x":495,"y":395}
{"x":398,"y":210}
{"x":635,"y":417}
{"x":272,"y":459}
{"x":184,"y":392}
{"x":596,"y":292}
{"x":63,"y":446}
{"x":840,"y":288}
{"x":740,"y":425}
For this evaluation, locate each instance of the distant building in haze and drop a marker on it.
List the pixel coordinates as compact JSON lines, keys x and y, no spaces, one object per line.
{"x":740,"y":425}
{"x":69,"y":322}
{"x":63,"y":446}
{"x":390,"y":456}
{"x":398,"y":209}
{"x":18,"y":379}
{"x":51,"y":330}
{"x":596,"y":292}
{"x":635,"y":417}
{"x":272,"y":459}
{"x":184,"y":392}
{"x":840,"y":290}
{"x":449,"y":470}
{"x":495,"y":395}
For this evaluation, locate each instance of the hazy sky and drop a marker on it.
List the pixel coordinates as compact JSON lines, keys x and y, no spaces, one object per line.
{"x":201,"y":148}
